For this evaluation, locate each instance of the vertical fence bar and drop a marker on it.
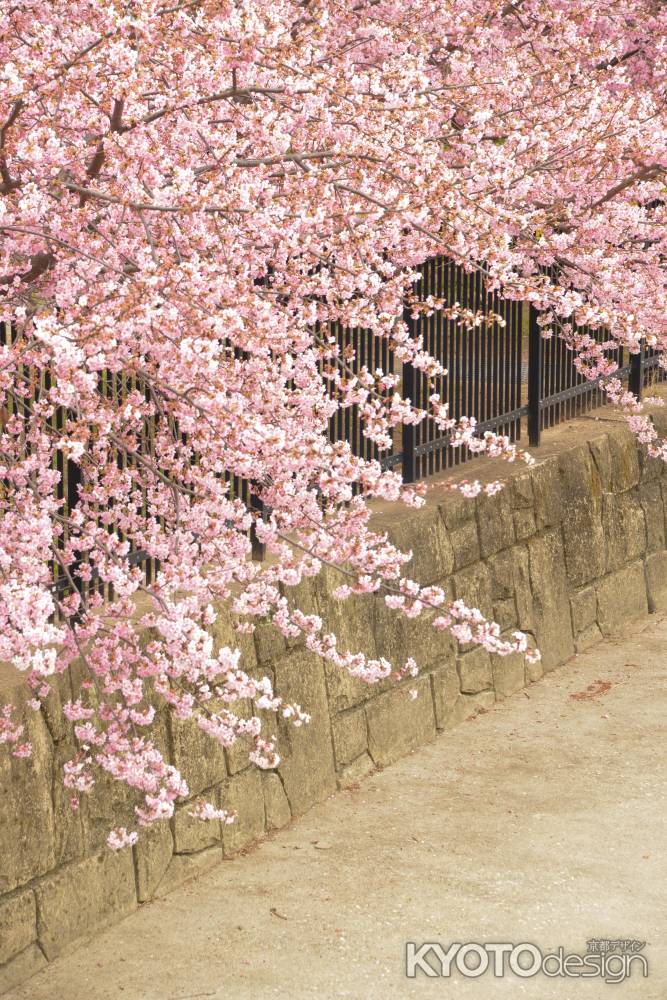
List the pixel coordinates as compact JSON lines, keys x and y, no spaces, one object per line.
{"x":636,"y":378}
{"x":409,"y":392}
{"x":535,"y":366}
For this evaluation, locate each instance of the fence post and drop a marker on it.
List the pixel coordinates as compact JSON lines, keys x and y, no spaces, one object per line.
{"x":636,"y":377}
{"x":409,"y":430}
{"x":258,"y":548}
{"x":535,"y":366}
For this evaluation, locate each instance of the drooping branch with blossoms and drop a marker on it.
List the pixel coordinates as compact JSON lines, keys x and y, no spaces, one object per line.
{"x":191,"y":196}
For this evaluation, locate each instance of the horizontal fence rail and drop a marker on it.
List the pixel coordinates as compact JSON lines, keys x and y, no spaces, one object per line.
{"x":501,"y":371}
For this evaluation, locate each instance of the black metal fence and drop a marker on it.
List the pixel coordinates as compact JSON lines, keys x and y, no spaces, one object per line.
{"x":502,"y":372}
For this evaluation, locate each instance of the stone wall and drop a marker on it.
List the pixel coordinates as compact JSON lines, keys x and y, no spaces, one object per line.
{"x":569,"y":552}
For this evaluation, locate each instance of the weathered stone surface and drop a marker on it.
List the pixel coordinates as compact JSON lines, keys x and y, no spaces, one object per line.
{"x":152,"y":854}
{"x":184,"y":867}
{"x":650,"y":496}
{"x":624,"y":529}
{"x":522,"y":588}
{"x":398,"y":637}
{"x":533,"y":671}
{"x":624,"y":459}
{"x":521,"y":490}
{"x":575,"y":515}
{"x":22,"y":967}
{"x":397,"y":723}
{"x":621,"y":597}
{"x":455,"y":510}
{"x":465,"y":544}
{"x":584,"y":606}
{"x":349,"y":736}
{"x":425,"y":536}
{"x":587,"y":638}
{"x":353,"y":623}
{"x":354,"y":772}
{"x":83,"y":897}
{"x":473,"y":585}
{"x":70,"y":837}
{"x":501,"y":569}
{"x":308,"y":774}
{"x":276,"y":807}
{"x":583,"y":534}
{"x":553,"y":625}
{"x":27,"y":832}
{"x":200,"y":759}
{"x":656,"y":580}
{"x":18,"y":924}
{"x":192,"y":835}
{"x":224,"y":634}
{"x":244,"y":795}
{"x":524,"y":524}
{"x":547,"y":492}
{"x":446,"y":689}
{"x":469,"y":705}
{"x":504,"y":612}
{"x":475,"y":671}
{"x":270,"y":643}
{"x":495,"y":523}
{"x":509,"y":674}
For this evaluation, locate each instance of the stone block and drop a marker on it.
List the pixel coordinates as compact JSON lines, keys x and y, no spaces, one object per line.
{"x":152,"y":855}
{"x":501,"y":569}
{"x":270,"y":643}
{"x":465,"y":544}
{"x":624,"y":459}
{"x":244,"y":795}
{"x":446,"y":689}
{"x":509,"y":674}
{"x":26,"y":964}
{"x":199,"y":758}
{"x":27,"y":827}
{"x":523,"y":594}
{"x":475,"y":671}
{"x":308,"y":773}
{"x":621,"y":598}
{"x":18,"y":924}
{"x":349,"y":736}
{"x":547,"y":492}
{"x":524,"y":524}
{"x":456,"y":510}
{"x":192,"y":835}
{"x":469,"y":705}
{"x":184,"y":867}
{"x":587,"y":638}
{"x":656,"y":580}
{"x":83,"y":897}
{"x":551,"y":610}
{"x":504,"y":613}
{"x":354,"y":772}
{"x":397,"y":723}
{"x":423,"y":533}
{"x":521,"y":491}
{"x":495,"y":523}
{"x":583,"y":533}
{"x":584,"y":608}
{"x":276,"y":807}
{"x":473,"y":586}
{"x":650,"y":496}
{"x":624,"y":529}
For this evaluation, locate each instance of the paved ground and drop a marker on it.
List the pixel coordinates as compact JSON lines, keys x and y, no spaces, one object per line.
{"x":543,"y":821}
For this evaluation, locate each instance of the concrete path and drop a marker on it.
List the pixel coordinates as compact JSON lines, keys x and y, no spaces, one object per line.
{"x":542,"y":821}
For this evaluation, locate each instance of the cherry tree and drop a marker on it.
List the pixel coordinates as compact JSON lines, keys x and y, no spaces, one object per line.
{"x":192,"y":195}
